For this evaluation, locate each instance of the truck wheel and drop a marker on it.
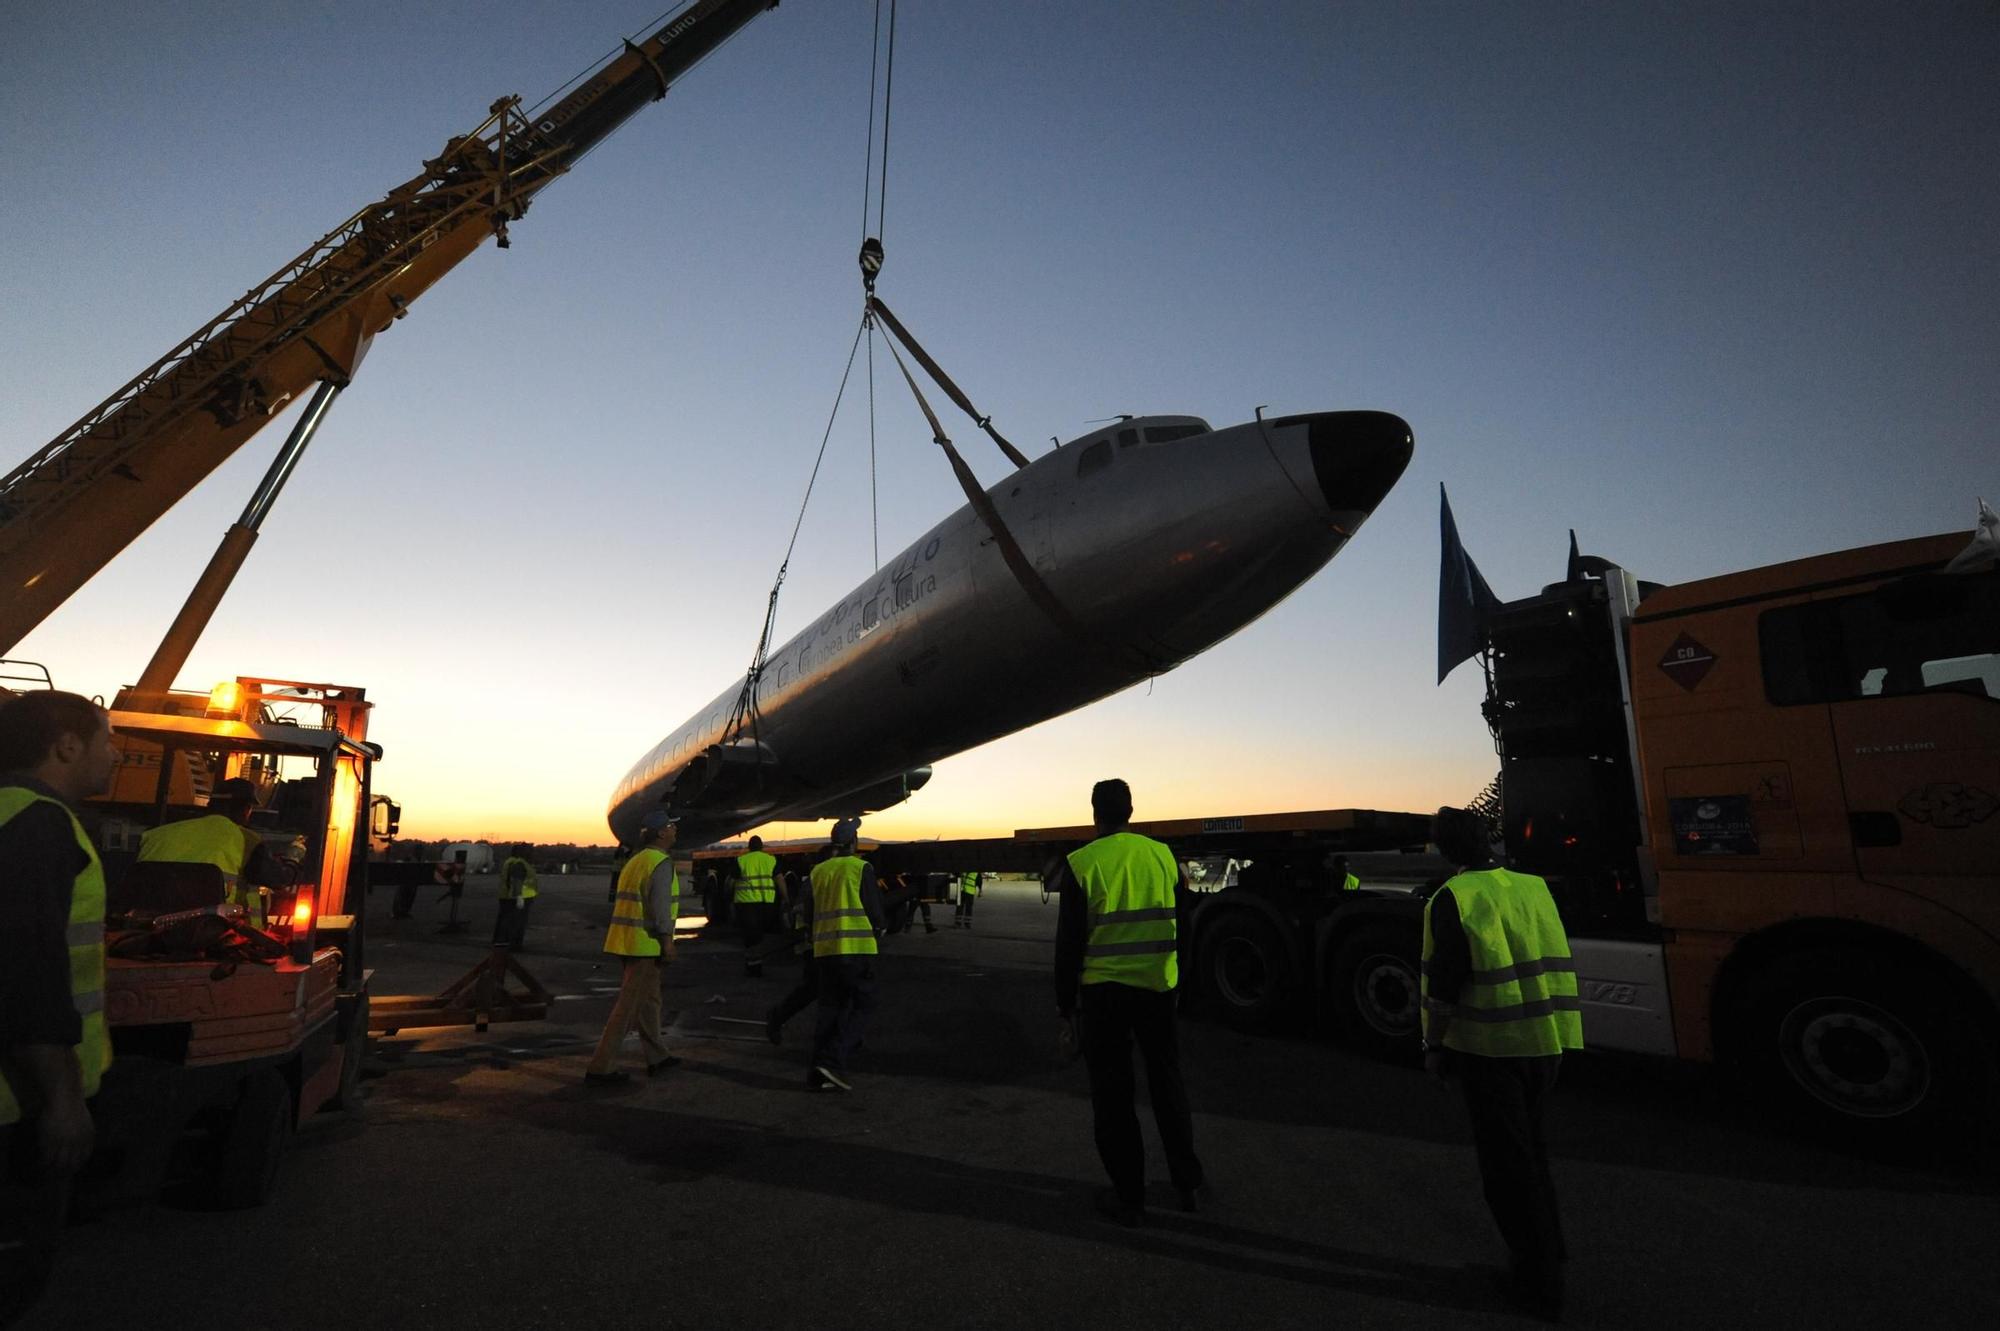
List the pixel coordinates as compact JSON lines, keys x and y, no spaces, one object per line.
{"x":1865,"y":1049}
{"x":1373,"y":986}
{"x":353,"y":1052}
{"x":1247,"y":970}
{"x":254,"y":1143}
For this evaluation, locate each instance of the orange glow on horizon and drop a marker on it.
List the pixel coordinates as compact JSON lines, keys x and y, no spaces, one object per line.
{"x":983,"y":795}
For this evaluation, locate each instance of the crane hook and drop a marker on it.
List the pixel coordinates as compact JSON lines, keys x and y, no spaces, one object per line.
{"x":871,"y":262}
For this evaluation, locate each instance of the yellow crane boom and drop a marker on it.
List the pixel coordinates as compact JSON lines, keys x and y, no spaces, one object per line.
{"x":70,"y":508}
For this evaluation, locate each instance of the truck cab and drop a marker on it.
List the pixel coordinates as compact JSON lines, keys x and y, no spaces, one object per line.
{"x":1768,"y":804}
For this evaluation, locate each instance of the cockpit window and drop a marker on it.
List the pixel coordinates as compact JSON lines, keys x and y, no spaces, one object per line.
{"x":1166,"y":434}
{"x":1095,"y":458}
{"x":1127,"y":438}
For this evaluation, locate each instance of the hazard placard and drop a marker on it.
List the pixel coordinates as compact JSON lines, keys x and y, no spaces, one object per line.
{"x":1687,"y":662}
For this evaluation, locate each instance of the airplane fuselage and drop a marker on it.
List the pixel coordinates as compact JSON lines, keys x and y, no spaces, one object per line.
{"x":1158,"y":536}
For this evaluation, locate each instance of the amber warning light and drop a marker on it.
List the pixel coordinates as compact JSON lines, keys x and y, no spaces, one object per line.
{"x":302,"y":918}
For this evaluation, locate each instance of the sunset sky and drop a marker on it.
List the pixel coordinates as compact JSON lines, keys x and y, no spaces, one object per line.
{"x":1714,"y":284}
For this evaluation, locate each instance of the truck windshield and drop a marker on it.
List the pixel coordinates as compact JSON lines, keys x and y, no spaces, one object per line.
{"x":1930,"y":634}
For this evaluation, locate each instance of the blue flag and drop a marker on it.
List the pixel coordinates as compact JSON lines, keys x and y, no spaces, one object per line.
{"x":1464,"y":599}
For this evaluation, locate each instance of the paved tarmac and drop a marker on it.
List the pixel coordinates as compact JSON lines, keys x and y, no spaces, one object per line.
{"x":482,"y":1185}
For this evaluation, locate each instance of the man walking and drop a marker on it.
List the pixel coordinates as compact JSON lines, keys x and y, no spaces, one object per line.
{"x":968,"y":893}
{"x":645,"y":903}
{"x":1499,"y":1007}
{"x":517,"y":893}
{"x":55,"y":749}
{"x":1119,"y":931}
{"x":756,"y":901}
{"x":845,"y":917}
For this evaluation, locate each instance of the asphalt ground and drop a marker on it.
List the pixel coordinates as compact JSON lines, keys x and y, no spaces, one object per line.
{"x":483,"y":1185}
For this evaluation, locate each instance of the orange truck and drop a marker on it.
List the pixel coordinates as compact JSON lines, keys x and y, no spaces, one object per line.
{"x":1769,"y":806}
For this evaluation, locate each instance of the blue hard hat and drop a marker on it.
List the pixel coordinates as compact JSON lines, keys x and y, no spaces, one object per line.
{"x":847,"y":831}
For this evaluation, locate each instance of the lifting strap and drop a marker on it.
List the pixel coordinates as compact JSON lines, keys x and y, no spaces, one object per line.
{"x":746,"y":712}
{"x":1122,"y":656}
{"x":936,"y":372}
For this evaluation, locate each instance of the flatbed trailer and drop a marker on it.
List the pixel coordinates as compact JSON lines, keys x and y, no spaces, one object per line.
{"x":1277,"y":938}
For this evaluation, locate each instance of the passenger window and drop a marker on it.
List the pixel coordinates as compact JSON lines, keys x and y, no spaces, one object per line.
{"x":870,"y":614}
{"x":1094,"y":458}
{"x":1127,"y":438}
{"x":1938,"y":633}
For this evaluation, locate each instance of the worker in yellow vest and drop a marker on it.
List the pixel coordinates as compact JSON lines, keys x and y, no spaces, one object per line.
{"x":55,"y":749}
{"x":755,"y":901}
{"x":844,"y":917}
{"x":1499,"y":1007}
{"x":222,"y":837}
{"x":1121,"y":927}
{"x":1339,"y":873}
{"x":796,"y":893}
{"x":644,"y":904}
{"x":517,"y":893}
{"x":968,"y":893}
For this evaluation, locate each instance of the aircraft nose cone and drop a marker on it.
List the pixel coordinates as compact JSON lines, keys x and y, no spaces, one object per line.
{"x":1357,"y":456}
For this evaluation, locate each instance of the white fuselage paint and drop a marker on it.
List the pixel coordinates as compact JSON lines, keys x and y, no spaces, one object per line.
{"x":1159,"y":548}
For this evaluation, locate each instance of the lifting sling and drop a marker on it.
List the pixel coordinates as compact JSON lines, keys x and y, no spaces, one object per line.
{"x":1121,"y":656}
{"x":951,"y":390}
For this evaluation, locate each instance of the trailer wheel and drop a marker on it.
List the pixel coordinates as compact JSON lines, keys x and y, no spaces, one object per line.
{"x":1373,"y":985}
{"x":253,"y":1143}
{"x":353,"y":1052}
{"x":1247,"y":970}
{"x":1865,"y":1049}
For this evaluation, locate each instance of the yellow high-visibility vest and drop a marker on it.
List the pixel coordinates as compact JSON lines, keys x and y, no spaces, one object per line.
{"x":85,"y":935}
{"x":1352,"y":884}
{"x":210,"y":839}
{"x":1128,"y":881}
{"x":840,"y":921}
{"x":1521,"y":999}
{"x":526,"y":889}
{"x":631,"y":933}
{"x":756,"y":877}
{"x":968,"y":885}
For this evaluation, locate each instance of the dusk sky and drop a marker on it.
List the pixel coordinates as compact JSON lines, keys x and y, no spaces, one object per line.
{"x":1715,"y":284}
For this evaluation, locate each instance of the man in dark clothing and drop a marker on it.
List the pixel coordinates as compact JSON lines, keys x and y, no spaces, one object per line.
{"x":968,"y":896}
{"x":1121,"y":936}
{"x":793,"y":892}
{"x":755,"y":893}
{"x":518,"y":890}
{"x":844,"y":919}
{"x":796,"y":1000}
{"x":902,"y":899}
{"x":55,"y":749}
{"x":1503,"y":1042}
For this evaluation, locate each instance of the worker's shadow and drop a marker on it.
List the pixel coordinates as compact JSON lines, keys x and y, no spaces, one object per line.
{"x":680,"y":1147}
